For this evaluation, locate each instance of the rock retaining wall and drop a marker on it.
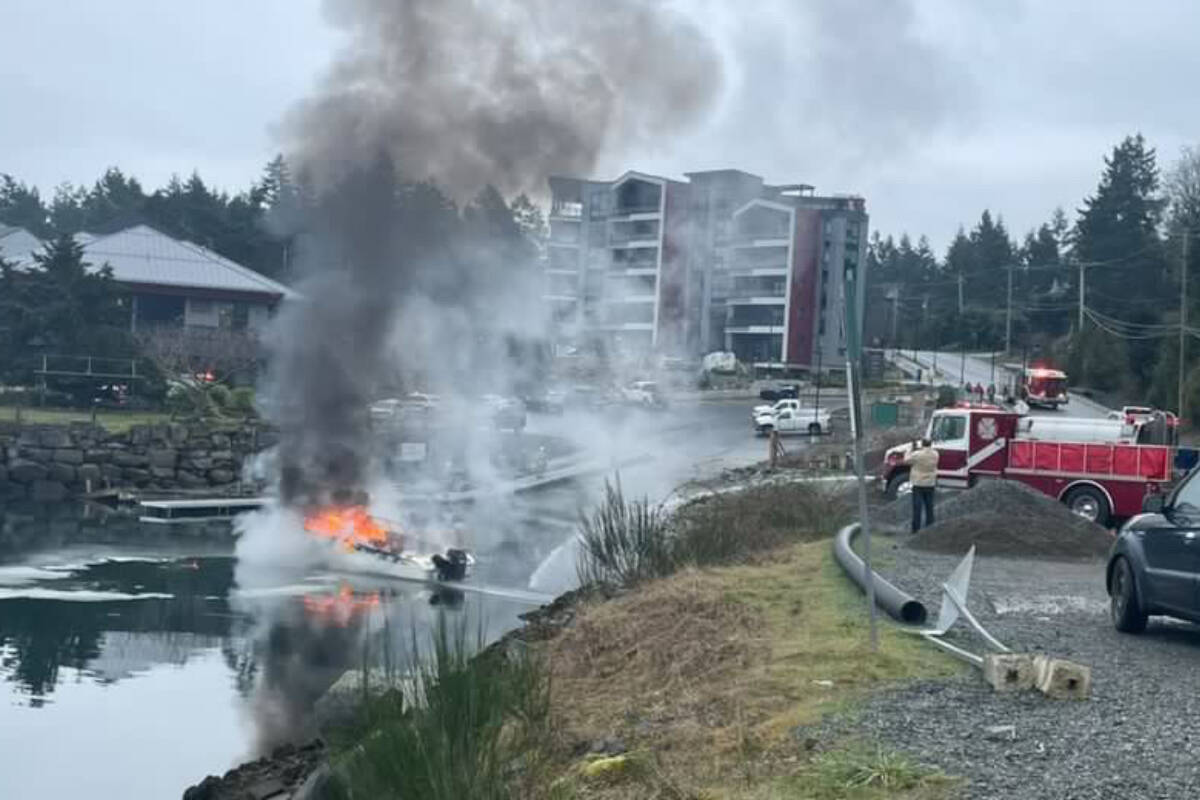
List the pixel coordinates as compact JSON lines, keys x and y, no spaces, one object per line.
{"x":52,"y":462}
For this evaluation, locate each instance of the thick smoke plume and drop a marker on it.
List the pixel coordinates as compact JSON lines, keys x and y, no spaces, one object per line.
{"x":468,"y":96}
{"x":503,"y":92}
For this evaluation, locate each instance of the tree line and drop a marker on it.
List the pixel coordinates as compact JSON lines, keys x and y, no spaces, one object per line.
{"x":60,"y":306}
{"x":1124,"y":243}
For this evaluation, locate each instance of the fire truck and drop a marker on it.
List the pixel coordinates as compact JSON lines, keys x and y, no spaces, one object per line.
{"x":1099,"y":480}
{"x":1037,"y":386}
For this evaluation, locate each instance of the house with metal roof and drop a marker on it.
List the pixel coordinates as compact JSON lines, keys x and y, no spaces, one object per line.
{"x":18,"y":245}
{"x":171,"y":281}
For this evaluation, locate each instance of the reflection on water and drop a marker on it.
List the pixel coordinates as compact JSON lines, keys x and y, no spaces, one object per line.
{"x":136,"y":655}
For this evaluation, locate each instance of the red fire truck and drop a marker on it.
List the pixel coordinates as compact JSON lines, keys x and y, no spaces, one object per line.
{"x":1098,"y":480}
{"x":1037,"y":385}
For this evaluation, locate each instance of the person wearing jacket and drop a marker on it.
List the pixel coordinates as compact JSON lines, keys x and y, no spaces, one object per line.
{"x":922,"y":463}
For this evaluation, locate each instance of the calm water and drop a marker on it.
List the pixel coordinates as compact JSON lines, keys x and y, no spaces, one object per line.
{"x":133,"y":669}
{"x":133,"y":663}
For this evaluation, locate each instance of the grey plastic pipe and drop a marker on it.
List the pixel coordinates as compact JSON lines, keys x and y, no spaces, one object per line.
{"x":896,"y":603}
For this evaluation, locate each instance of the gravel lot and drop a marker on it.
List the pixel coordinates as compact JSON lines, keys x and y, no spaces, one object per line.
{"x":1138,"y":736}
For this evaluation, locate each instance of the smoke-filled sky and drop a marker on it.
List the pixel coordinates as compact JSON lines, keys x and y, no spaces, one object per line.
{"x":931,"y":109}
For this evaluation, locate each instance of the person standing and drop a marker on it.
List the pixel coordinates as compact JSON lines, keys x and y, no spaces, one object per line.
{"x":922,"y":463}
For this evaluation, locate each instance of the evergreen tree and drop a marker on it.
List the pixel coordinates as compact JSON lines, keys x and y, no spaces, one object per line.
{"x":114,"y":203}
{"x":21,"y":206}
{"x":1116,"y":235}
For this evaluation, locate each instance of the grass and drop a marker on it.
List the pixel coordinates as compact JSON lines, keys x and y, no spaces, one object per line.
{"x":710,"y":675}
{"x":707,"y":675}
{"x":115,"y":421}
{"x":623,"y":542}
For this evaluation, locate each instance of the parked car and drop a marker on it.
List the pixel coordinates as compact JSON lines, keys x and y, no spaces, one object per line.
{"x":644,"y":393}
{"x":1154,"y":566}
{"x":787,"y":391}
{"x":813,"y":421}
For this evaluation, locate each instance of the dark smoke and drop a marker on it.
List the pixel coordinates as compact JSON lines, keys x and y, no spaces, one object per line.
{"x":468,"y":95}
{"x":503,"y":92}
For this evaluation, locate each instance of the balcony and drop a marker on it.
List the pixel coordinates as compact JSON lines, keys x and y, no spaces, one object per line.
{"x":566,"y":210}
{"x":644,"y":210}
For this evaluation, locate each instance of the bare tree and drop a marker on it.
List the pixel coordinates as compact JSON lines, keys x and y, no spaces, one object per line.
{"x":196,"y":360}
{"x":1183,"y":190}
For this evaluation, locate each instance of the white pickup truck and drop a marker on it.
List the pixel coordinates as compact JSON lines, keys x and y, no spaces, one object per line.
{"x":793,"y":419}
{"x":774,"y":408}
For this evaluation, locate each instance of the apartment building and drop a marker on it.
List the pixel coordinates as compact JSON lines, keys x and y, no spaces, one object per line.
{"x":721,"y":261}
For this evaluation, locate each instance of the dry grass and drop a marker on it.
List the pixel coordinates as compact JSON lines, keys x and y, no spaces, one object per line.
{"x":705,"y":675}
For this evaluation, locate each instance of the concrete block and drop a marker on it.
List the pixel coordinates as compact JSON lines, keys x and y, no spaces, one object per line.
{"x":47,"y":491}
{"x":26,"y":472}
{"x":63,"y":473}
{"x":1008,"y":672}
{"x":54,"y":437}
{"x":1060,"y":679}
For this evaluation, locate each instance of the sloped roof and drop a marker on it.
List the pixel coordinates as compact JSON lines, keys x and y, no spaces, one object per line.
{"x":18,"y":245}
{"x":143,"y":255}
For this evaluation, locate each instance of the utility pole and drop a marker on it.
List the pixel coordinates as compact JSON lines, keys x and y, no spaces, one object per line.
{"x":960,"y":294}
{"x":1183,"y":279}
{"x":895,"y":314}
{"x":1007,"y":317}
{"x":1082,"y":284}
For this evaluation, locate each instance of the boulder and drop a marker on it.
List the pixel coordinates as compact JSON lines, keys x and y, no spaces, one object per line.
{"x":220,"y":477}
{"x":47,"y":491}
{"x":177,"y":433}
{"x":139,"y":434}
{"x":162,"y":473}
{"x":63,"y":473}
{"x":3,"y":473}
{"x":222,"y":456}
{"x":199,"y":463}
{"x":68,"y":455}
{"x":54,"y":437}
{"x":99,"y":456}
{"x":221,"y":441}
{"x":38,"y":453}
{"x":111,"y":473}
{"x":138,"y":477}
{"x":11,"y":491}
{"x":89,"y":473}
{"x":190,"y":480}
{"x":162,"y":458}
{"x":26,"y":471}
{"x":131,"y":459}
{"x":160,"y":433}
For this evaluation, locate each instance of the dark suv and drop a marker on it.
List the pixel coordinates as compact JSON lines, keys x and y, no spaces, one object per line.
{"x":1154,"y":566}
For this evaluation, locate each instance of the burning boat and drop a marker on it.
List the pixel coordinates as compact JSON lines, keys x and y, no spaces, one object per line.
{"x":363,"y":543}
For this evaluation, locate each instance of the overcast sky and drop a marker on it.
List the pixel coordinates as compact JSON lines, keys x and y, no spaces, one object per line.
{"x":931,"y":109}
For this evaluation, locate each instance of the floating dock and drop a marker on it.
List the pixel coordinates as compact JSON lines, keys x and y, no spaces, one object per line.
{"x":208,"y":509}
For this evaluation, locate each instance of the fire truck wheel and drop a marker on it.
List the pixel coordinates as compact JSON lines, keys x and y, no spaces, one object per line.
{"x":1089,"y":503}
{"x":814,"y":429}
{"x":1127,"y":614}
{"x":898,"y":485}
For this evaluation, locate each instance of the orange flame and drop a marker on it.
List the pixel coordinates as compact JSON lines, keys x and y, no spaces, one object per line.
{"x":351,"y":525}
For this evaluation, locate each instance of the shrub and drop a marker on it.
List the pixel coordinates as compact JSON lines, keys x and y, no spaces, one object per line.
{"x":220,"y":396}
{"x":727,"y":528}
{"x":623,"y":542}
{"x":242,"y":400}
{"x":465,"y":722}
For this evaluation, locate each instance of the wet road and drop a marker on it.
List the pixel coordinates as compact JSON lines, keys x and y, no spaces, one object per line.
{"x":146,"y":657}
{"x":957,"y":369}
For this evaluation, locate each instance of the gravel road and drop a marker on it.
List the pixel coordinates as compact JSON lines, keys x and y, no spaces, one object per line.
{"x":1137,"y":737}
